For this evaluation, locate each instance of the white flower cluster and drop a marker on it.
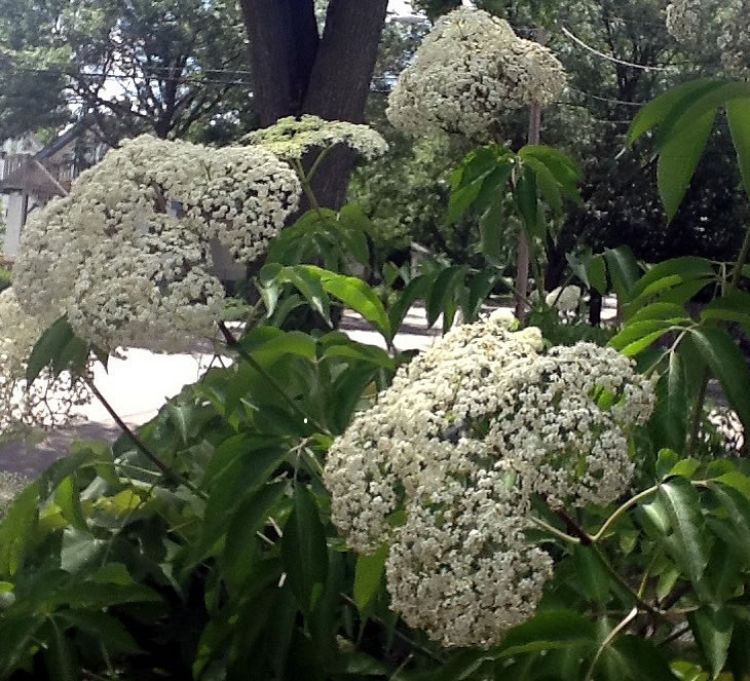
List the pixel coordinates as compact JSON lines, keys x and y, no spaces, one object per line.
{"x":444,"y":466}
{"x":726,"y":22}
{"x":727,"y":429}
{"x":469,"y":70}
{"x":49,"y":401}
{"x":127,"y":254}
{"x":291,"y":138}
{"x":11,"y":485}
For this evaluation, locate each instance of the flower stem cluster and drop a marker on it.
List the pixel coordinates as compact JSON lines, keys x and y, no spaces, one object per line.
{"x":444,"y":468}
{"x":471,"y":69}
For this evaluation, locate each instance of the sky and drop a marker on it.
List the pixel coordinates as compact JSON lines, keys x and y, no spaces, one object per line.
{"x":400,"y":6}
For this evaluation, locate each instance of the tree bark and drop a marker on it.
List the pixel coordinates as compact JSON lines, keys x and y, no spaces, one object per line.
{"x":283,"y":37}
{"x":296,"y":71}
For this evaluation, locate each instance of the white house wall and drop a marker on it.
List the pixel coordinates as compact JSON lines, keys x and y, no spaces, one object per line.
{"x":14,"y":222}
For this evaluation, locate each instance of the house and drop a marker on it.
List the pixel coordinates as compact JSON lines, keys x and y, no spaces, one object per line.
{"x":31,"y":175}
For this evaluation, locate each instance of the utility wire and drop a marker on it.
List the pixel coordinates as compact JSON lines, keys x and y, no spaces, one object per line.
{"x":610,"y":58}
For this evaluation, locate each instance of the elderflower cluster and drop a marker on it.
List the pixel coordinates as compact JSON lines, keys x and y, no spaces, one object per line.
{"x":50,"y":400}
{"x":725,"y":432}
{"x":291,"y":138}
{"x":127,"y":254}
{"x":444,"y":466}
{"x":726,"y":22}
{"x":469,"y":70}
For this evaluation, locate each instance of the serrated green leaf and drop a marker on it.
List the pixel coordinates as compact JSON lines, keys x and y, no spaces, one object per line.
{"x":732,"y":307}
{"x":549,"y":630}
{"x":52,"y":342}
{"x":738,"y":113}
{"x":352,"y":292}
{"x":304,"y":550}
{"x":16,"y":530}
{"x":661,"y":310}
{"x":664,"y":106}
{"x":679,"y":157}
{"x":59,"y":655}
{"x":104,"y":628}
{"x":623,"y":271}
{"x":637,"y":336}
{"x":444,"y":291}
{"x":728,"y":364}
{"x":682,"y":504}
{"x":669,"y":273}
{"x":417,"y":289}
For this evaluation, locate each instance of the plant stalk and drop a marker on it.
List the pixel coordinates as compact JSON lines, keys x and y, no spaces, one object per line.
{"x":234,"y":344}
{"x":142,"y":447}
{"x":523,"y":256}
{"x":734,"y":283}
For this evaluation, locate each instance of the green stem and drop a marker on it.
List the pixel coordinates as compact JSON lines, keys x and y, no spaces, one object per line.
{"x":607,"y":641}
{"x":640,"y":603}
{"x":741,"y":262}
{"x":316,"y":164}
{"x":234,"y":344}
{"x":554,"y":531}
{"x":305,"y":181}
{"x":140,"y":445}
{"x":630,"y":503}
{"x":734,"y":283}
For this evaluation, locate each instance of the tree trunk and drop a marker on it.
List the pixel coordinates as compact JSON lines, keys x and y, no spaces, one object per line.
{"x":296,"y":71}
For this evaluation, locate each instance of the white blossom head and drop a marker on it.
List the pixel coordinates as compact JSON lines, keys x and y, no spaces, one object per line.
{"x":48,"y":402}
{"x":725,"y":22}
{"x":127,"y":254}
{"x":444,"y":466}
{"x":469,"y":71}
{"x":292,"y":138}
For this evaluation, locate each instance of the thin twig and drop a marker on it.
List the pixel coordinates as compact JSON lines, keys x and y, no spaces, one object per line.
{"x":235,"y":345}
{"x":622,"y":510}
{"x":610,"y":637}
{"x":675,"y":635}
{"x":142,"y":447}
{"x":546,"y":527}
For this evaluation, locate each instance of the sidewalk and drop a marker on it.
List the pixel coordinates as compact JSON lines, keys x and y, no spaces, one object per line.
{"x":140,"y":383}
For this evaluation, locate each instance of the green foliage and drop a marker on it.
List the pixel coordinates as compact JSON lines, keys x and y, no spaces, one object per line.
{"x":202,"y":546}
{"x":5,"y":278}
{"x":175,"y":51}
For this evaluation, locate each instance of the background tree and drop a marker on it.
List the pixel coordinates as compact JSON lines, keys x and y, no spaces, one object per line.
{"x":170,"y":67}
{"x":618,"y":55}
{"x":298,"y":70}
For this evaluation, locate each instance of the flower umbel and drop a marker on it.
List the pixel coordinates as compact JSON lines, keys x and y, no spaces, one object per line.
{"x":127,"y":254}
{"x":291,"y":138}
{"x":460,"y":443}
{"x":469,"y":70}
{"x":727,"y":22}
